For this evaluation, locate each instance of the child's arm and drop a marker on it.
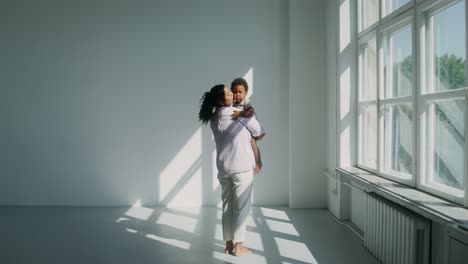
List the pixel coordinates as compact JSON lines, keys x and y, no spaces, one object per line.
{"x":259,"y":137}
{"x":235,"y":115}
{"x":258,"y":159}
{"x":249,"y":112}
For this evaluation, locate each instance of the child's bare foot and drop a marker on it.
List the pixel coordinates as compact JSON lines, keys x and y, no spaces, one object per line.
{"x":229,"y":247}
{"x":241,"y":250}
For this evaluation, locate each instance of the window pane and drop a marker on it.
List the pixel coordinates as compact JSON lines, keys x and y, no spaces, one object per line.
{"x":368,"y":13}
{"x":368,"y":136}
{"x":392,"y":5}
{"x":450,"y":48}
{"x":398,"y":140}
{"x":448,"y":141}
{"x":398,"y":63}
{"x":368,"y":74}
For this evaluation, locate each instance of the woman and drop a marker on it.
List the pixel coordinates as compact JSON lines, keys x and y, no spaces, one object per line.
{"x":235,"y":162}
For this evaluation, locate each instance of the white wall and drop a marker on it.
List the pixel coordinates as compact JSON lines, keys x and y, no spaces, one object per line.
{"x":331,"y":84}
{"x":307,"y":101}
{"x":341,"y":87}
{"x":99,"y":99}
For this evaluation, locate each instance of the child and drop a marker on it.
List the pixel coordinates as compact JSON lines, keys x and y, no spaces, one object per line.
{"x":239,"y":88}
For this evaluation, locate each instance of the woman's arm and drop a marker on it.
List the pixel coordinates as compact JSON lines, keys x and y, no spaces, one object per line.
{"x":253,"y":126}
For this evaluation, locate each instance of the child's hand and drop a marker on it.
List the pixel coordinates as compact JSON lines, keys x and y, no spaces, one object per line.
{"x":235,"y":115}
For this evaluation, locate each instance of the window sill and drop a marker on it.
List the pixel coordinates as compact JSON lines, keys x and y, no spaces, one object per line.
{"x":429,"y":206}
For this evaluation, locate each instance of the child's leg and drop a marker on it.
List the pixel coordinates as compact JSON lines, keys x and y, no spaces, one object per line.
{"x":258,"y":160}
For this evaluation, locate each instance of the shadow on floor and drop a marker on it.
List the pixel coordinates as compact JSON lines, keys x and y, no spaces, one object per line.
{"x":163,"y":235}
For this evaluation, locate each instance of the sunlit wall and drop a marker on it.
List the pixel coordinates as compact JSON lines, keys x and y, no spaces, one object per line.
{"x":99,"y":98}
{"x":341,"y":89}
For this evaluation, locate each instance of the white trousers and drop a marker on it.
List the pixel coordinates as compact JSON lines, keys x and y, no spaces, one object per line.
{"x":236,"y":195}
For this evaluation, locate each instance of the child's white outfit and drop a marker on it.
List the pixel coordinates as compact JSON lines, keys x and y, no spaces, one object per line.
{"x":244,"y":104}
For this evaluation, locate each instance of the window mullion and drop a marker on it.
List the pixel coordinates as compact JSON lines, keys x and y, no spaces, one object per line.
{"x":465,"y":167}
{"x":421,"y":29}
{"x":397,"y":100}
{"x":444,"y":95}
{"x":364,"y":85}
{"x":430,"y":50}
{"x":430,"y":144}
{"x":416,"y":89}
{"x":389,"y":63}
{"x":360,"y":132}
{"x":466,"y":107}
{"x":380,"y":92}
{"x":389,"y":133}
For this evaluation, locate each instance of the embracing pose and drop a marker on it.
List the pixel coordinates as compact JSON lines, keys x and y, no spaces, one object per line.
{"x":240,"y":88}
{"x":235,"y":162}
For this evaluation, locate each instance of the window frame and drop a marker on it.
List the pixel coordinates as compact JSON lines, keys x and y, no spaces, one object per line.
{"x":428,"y":95}
{"x":371,"y":27}
{"x":415,"y":13}
{"x":395,"y":13}
{"x":362,"y":104}
{"x":388,"y":28}
{"x":465,"y":167}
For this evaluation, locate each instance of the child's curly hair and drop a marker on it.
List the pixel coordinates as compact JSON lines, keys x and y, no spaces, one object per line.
{"x":240,"y":81}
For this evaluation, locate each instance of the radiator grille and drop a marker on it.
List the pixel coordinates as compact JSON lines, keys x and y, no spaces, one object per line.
{"x":393,"y":234}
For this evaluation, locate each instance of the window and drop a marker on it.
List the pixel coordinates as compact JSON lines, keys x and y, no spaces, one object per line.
{"x":413,"y":92}
{"x":368,"y":104}
{"x":368,"y":13}
{"x":389,"y":6}
{"x":396,"y":103}
{"x":443,"y":97}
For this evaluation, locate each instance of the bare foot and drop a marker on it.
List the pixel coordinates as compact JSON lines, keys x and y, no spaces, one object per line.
{"x":242,"y":251}
{"x":229,"y":247}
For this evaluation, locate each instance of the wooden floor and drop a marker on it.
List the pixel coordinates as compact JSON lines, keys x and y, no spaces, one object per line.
{"x":161,"y":235}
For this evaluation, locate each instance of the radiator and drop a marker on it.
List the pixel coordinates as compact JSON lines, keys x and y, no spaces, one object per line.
{"x":394,"y":234}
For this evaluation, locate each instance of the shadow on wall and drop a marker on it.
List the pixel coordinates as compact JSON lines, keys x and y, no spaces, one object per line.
{"x":190,"y":178}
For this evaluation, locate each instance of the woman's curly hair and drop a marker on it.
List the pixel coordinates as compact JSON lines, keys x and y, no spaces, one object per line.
{"x":209,"y":101}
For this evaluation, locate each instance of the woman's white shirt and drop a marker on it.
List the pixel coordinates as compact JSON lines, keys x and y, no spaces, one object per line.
{"x":232,"y":138}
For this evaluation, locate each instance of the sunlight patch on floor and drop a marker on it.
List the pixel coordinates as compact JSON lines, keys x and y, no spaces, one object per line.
{"x":139,"y":212}
{"x":281,"y":227}
{"x":254,"y":240}
{"x":180,"y":222}
{"x":273,"y":213}
{"x":294,"y":250}
{"x":172,"y":242}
